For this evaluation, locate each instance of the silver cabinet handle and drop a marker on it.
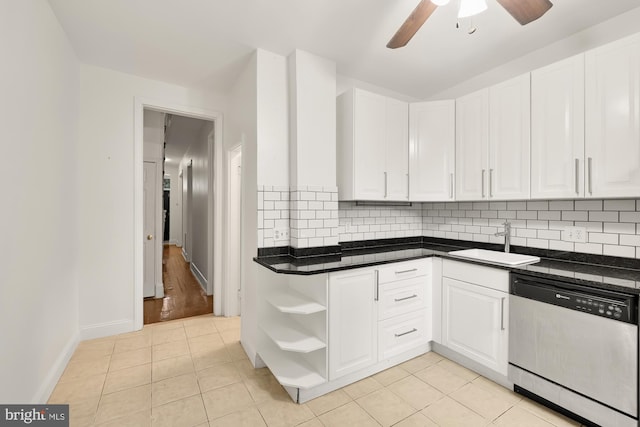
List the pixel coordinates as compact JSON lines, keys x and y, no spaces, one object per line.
{"x":408,"y":186}
{"x":406,"y":271}
{"x":385,"y":185}
{"x":577,"y":173}
{"x":483,"y":173}
{"x":406,"y":333}
{"x":490,"y":183}
{"x":377,"y":289}
{"x":590,"y":167}
{"x":405,"y":298}
{"x":451,"y":186}
{"x":502,"y":313}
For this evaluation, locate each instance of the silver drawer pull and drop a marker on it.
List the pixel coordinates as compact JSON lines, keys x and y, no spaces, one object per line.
{"x":406,"y":271}
{"x":405,"y":298}
{"x":406,"y":333}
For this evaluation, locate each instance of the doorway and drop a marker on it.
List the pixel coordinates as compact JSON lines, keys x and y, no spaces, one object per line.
{"x":215,"y":200}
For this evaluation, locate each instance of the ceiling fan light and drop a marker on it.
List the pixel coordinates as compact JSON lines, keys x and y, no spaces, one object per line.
{"x":471,"y":7}
{"x":440,"y":2}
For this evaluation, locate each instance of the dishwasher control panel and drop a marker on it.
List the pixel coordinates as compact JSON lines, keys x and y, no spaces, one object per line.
{"x":598,"y":302}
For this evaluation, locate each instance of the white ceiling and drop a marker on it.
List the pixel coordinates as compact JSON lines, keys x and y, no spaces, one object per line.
{"x":204,"y":42}
{"x":181,"y":132}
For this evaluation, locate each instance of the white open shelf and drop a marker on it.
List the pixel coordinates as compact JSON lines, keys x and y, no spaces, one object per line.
{"x":290,"y":372}
{"x":294,"y":303}
{"x":291,"y":338}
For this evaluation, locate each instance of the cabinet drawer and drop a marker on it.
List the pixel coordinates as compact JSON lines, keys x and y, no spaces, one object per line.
{"x":493,"y":278}
{"x":404,"y":270}
{"x":402,"y":333}
{"x":402,"y":297}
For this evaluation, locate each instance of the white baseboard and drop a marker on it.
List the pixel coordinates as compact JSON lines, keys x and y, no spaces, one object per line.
{"x":159,"y":290}
{"x":185,"y":255}
{"x":199,"y":276}
{"x":100,"y":330}
{"x":53,"y":376}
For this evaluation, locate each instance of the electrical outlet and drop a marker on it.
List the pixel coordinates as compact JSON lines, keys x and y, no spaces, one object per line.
{"x":280,"y":234}
{"x":575,"y":234}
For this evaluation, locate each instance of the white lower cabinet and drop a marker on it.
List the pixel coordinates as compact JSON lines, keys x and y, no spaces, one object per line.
{"x":353,"y":335}
{"x":475,"y":316}
{"x":402,"y":333}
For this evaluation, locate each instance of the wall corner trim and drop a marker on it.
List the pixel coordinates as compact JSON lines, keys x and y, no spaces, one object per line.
{"x":53,"y":376}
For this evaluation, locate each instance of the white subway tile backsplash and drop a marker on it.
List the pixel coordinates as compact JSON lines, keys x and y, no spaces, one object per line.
{"x":517,"y":206}
{"x":630,"y":240}
{"x":630,"y":216}
{"x":615,"y":250}
{"x":549,"y":215}
{"x":575,"y":216}
{"x":608,"y":216}
{"x":561,"y":205}
{"x":588,"y":205}
{"x":620,"y":227}
{"x":538,"y":206}
{"x":527,"y":215}
{"x":589,"y":248}
{"x":611,"y":239}
{"x":619,"y":205}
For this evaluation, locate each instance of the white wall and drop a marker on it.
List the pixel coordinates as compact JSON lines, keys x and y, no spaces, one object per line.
{"x":608,"y":31}
{"x":272,"y":119}
{"x":241,"y":126}
{"x":198,"y":152}
{"x":39,"y":253}
{"x":153,"y":135}
{"x":312,"y":109}
{"x":175,"y":204}
{"x":344,"y":83}
{"x":106,"y":187}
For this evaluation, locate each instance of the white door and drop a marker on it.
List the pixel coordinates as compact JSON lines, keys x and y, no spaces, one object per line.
{"x":353,"y":338}
{"x":149,"y":212}
{"x":234,"y":238}
{"x":557,"y":130}
{"x":474,"y":323}
{"x":432,"y":130}
{"x":472,"y":146}
{"x":369,"y":145}
{"x":509,"y":139}
{"x":612,"y":149}
{"x":397,"y":150}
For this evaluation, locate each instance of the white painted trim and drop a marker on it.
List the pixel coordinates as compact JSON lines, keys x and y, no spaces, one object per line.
{"x":99,"y":330}
{"x":199,"y":276}
{"x":159,"y":231}
{"x":185,"y":255}
{"x":138,"y":230}
{"x":55,"y":372}
{"x":231,"y":303}
{"x":159,"y":290}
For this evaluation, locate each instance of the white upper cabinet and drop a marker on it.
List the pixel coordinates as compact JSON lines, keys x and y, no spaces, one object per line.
{"x":472,"y":145}
{"x":509,"y":139}
{"x":432,"y":151}
{"x":397,"y":149}
{"x":612,"y":133}
{"x":557,"y":130}
{"x":372,"y":147}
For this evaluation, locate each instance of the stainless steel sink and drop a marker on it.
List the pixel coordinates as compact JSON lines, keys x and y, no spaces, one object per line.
{"x":496,"y":257}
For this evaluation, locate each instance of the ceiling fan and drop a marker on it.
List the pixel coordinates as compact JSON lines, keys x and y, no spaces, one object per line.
{"x":524,"y":11}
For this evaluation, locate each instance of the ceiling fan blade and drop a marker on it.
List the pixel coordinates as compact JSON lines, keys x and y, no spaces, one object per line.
{"x":412,"y":24}
{"x":525,"y":11}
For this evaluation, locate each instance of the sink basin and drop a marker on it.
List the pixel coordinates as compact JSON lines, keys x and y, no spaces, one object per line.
{"x":495,"y":257}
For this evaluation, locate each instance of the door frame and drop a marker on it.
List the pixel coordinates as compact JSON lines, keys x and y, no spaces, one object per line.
{"x":215,"y":199}
{"x":232,"y":303}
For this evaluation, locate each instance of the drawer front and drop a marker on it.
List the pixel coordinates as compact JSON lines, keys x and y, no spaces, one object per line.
{"x":402,"y":297}
{"x":402,"y":333}
{"x":494,"y":278}
{"x":404,"y":270}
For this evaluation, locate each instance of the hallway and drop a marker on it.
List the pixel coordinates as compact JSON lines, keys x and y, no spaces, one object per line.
{"x":183,"y":295}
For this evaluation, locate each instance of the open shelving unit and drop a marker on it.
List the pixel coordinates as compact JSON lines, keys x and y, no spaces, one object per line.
{"x":292,"y":314}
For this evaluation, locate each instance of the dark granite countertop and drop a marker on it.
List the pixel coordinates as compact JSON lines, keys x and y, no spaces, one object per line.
{"x":590,"y":270}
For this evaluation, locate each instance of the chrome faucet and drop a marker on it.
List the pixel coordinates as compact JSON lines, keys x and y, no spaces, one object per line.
{"x":507,"y":236}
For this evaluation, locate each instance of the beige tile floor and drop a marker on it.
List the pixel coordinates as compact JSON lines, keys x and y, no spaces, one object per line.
{"x":194,"y":372}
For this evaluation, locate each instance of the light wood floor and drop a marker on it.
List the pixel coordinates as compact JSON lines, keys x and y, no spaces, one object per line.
{"x":183,"y":295}
{"x":194,"y":372}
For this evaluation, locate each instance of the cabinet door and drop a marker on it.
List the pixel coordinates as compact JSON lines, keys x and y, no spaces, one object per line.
{"x":369,"y":117}
{"x":509,"y":139}
{"x":472,"y":145}
{"x":432,"y":151}
{"x":352,"y":322}
{"x":474,"y":323}
{"x":397,"y":150}
{"x":557,"y":130}
{"x":612,"y":150}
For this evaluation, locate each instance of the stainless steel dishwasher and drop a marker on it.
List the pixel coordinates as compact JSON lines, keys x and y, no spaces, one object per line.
{"x":575,"y":349}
